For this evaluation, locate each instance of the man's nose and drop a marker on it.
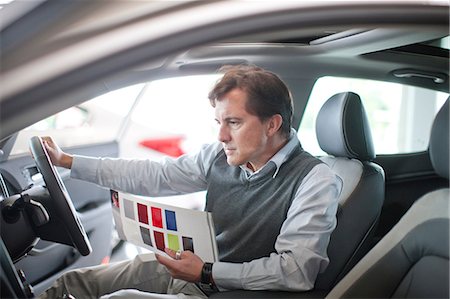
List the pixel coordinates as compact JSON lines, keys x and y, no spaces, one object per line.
{"x":224,"y":135}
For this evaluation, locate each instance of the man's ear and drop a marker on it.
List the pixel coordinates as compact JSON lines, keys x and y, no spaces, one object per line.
{"x":274,"y":124}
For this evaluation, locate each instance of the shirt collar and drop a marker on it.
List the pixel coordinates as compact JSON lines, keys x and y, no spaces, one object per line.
{"x":279,"y":158}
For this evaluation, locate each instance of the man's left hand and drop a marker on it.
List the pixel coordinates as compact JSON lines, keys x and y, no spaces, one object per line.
{"x":188,"y":267}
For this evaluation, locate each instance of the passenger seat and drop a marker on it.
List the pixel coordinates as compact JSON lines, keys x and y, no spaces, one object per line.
{"x":343,"y":132}
{"x":412,"y":260}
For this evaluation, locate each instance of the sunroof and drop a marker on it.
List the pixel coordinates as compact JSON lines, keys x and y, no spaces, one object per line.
{"x":443,"y":43}
{"x":436,"y":47}
{"x":303,"y":39}
{"x":321,"y":37}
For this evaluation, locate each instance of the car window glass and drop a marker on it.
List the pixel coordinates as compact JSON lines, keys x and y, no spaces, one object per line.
{"x":94,"y":121}
{"x":172,"y":117}
{"x":400,"y":116}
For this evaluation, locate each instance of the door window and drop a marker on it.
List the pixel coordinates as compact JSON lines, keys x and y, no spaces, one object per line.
{"x":173,"y":116}
{"x":92,"y":122}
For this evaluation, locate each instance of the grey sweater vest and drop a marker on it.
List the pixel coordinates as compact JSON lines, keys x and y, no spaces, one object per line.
{"x":248,"y":213}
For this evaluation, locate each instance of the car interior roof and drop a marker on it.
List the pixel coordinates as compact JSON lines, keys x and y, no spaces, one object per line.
{"x":376,"y":53}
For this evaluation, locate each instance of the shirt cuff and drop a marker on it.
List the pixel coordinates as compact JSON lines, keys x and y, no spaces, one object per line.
{"x":227,"y":276}
{"x":84,"y":168}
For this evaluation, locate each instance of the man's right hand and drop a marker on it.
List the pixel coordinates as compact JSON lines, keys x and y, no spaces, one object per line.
{"x":58,"y":157}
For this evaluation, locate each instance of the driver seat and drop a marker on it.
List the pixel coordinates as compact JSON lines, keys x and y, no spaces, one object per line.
{"x":412,"y":260}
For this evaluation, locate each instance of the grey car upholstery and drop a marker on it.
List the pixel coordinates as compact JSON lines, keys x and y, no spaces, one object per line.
{"x":412,"y":260}
{"x":343,"y":132}
{"x":342,"y":128}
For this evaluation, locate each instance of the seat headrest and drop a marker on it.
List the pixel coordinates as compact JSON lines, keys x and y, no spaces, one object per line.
{"x":342,"y":128}
{"x":439,"y":139}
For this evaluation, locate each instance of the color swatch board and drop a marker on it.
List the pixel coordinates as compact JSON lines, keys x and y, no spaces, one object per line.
{"x":154,"y":226}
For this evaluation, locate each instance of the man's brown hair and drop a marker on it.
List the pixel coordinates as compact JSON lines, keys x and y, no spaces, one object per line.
{"x":267,"y":95}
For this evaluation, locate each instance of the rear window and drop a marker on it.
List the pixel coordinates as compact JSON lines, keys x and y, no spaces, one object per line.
{"x":400,"y":116}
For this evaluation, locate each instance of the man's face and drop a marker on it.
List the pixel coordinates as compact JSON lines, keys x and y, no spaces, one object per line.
{"x":244,"y":137}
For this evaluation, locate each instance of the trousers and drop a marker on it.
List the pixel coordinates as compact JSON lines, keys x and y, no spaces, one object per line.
{"x":142,"y":277}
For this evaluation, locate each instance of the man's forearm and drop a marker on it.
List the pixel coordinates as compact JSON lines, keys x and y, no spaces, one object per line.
{"x":66,"y":161}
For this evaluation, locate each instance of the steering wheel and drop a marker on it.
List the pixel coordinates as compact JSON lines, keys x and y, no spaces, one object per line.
{"x":60,"y":199}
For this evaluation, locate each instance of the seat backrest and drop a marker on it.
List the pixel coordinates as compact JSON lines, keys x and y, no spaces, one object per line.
{"x":344,"y":134}
{"x":412,"y":260}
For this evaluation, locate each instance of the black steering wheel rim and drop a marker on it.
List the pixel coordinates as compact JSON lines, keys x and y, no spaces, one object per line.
{"x":60,"y":198}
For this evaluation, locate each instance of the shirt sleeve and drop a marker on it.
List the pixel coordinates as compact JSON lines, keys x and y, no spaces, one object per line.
{"x":182,"y":175}
{"x":301,"y":247}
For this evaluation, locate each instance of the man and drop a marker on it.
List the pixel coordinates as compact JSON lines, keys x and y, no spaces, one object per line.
{"x":273,"y":205}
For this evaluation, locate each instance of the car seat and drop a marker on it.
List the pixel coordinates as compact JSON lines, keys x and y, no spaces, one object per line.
{"x":412,"y":260}
{"x":343,"y":132}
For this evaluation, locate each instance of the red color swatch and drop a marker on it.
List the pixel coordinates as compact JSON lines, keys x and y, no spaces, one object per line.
{"x":159,"y":240}
{"x":142,"y":213}
{"x":157,"y":217}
